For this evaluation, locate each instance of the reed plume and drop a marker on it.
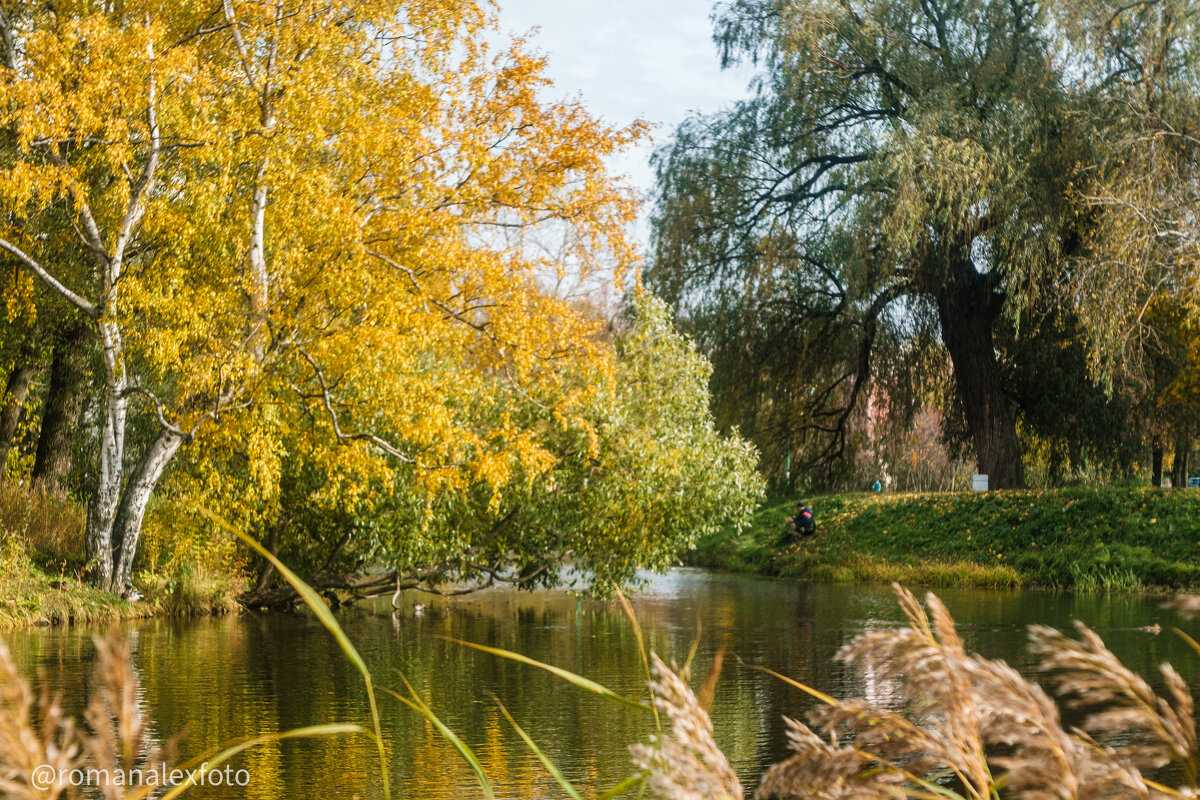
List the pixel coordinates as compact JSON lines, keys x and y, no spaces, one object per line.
{"x":120,"y":741}
{"x":970,"y":727}
{"x":1148,"y":731}
{"x":685,"y":763}
{"x":46,"y":747}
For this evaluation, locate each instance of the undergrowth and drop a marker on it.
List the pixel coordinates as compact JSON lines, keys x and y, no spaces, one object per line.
{"x":42,"y":570}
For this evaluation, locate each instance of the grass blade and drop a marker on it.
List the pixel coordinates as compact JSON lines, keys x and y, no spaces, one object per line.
{"x":824,"y":698}
{"x":641,"y":643}
{"x":468,"y":755}
{"x":637,"y":630}
{"x":306,"y":592}
{"x":322,"y":612}
{"x":1190,"y":641}
{"x":537,"y":751}
{"x":623,"y":787}
{"x":571,"y":677}
{"x":208,"y":763}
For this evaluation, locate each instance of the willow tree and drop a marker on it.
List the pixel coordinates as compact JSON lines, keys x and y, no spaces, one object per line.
{"x":292,"y":205}
{"x":1135,"y":281}
{"x":901,"y":168}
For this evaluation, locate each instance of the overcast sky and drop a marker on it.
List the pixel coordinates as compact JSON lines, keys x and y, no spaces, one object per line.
{"x":653,"y":59}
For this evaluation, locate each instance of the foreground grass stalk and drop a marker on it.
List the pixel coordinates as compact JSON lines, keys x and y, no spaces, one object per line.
{"x":415,"y":702}
{"x":577,"y":680}
{"x":325,"y":616}
{"x":209,"y":763}
{"x":554,"y":771}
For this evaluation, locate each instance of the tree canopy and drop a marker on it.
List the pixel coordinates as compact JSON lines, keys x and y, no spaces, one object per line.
{"x":906,"y":171}
{"x":283,"y":227}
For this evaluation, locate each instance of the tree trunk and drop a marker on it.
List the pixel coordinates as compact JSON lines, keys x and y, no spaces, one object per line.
{"x":102,"y":506}
{"x":268,"y":569}
{"x":127,"y":527}
{"x":13,"y":399}
{"x":967,"y":307}
{"x":1179,"y":468}
{"x":64,"y":407}
{"x":1156,"y":460}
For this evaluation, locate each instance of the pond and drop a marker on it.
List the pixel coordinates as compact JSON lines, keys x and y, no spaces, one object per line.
{"x":225,"y":678}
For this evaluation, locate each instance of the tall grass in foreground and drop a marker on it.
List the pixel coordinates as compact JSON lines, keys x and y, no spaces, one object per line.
{"x":966,"y":728}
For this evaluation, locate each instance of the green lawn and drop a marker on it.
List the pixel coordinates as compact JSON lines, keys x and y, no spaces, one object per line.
{"x":1082,"y":538}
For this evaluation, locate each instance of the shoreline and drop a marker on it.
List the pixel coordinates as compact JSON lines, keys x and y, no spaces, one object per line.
{"x":1081,"y":539}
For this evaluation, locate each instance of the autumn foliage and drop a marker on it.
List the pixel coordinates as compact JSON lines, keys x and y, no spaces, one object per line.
{"x":301,"y":236}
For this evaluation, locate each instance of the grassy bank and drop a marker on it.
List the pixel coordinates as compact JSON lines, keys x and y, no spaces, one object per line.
{"x":41,"y":539}
{"x":1082,"y":538}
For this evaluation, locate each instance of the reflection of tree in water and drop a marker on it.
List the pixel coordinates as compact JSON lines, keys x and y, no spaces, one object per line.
{"x":226,"y":678}
{"x":880,"y":691}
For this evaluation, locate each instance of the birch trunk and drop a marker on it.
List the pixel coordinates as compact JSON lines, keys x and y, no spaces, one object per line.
{"x":102,"y":507}
{"x":127,"y":527}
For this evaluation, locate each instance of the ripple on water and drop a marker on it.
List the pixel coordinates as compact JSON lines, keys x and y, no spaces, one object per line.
{"x":222,"y":679}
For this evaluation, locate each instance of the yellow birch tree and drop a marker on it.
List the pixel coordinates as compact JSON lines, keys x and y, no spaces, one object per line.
{"x":289,"y":213}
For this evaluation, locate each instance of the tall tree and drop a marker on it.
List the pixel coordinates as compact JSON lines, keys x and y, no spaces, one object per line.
{"x":1134,"y":280}
{"x":901,"y":163}
{"x":295,"y":203}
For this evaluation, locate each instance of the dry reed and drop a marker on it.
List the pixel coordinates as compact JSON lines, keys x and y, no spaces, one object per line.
{"x":954,"y":725}
{"x":43,"y":756}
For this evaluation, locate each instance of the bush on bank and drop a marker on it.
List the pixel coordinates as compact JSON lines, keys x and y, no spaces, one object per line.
{"x":1114,"y":538}
{"x":41,"y":571}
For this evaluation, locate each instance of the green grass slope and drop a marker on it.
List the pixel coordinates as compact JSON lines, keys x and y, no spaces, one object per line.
{"x":1082,"y":538}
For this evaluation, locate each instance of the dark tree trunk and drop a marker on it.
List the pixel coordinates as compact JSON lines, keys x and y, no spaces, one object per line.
{"x":268,"y":569}
{"x":1156,"y":460}
{"x":967,"y":307}
{"x":13,"y":399}
{"x":1179,"y":469}
{"x":64,"y":408}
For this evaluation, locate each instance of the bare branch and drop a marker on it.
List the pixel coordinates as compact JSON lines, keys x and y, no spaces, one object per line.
{"x":37,"y":269}
{"x":243,"y":53}
{"x":337,"y":428}
{"x":137,"y":207}
{"x":188,"y":435}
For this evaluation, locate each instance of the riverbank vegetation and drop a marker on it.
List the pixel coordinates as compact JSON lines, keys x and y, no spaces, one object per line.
{"x":1083,"y":538}
{"x":42,"y":571}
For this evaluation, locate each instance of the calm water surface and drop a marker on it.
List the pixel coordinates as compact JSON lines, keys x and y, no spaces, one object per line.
{"x":221,"y":679}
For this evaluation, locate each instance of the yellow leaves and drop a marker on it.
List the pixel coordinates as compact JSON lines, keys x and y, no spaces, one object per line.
{"x":411,"y":177}
{"x":18,"y":298}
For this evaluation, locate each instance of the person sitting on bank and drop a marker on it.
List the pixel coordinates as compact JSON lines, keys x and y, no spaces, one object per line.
{"x":802,"y":525}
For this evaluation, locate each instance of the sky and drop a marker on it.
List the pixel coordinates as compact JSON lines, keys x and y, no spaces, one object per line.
{"x":653,"y":59}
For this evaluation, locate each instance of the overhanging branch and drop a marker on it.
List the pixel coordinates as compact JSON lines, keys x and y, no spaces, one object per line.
{"x":48,"y":279}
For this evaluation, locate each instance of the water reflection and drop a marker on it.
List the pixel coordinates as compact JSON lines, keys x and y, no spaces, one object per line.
{"x":221,"y":679}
